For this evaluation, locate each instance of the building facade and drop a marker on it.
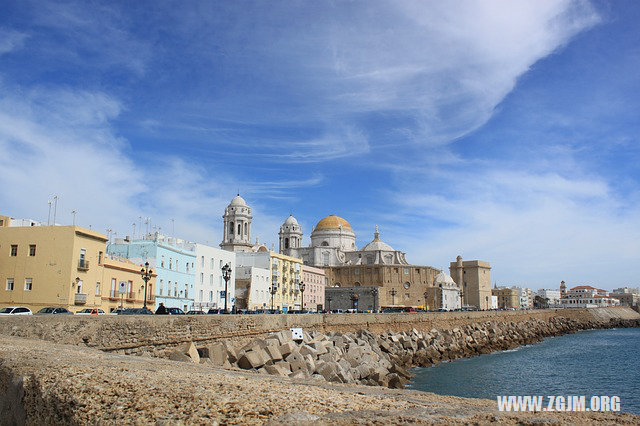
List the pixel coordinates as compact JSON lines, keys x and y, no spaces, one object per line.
{"x":444,"y":295}
{"x":252,"y":288}
{"x":585,"y":296}
{"x":173,"y":260}
{"x":285,"y":276}
{"x":237,"y":226}
{"x":361,"y":299}
{"x":315,"y":282}
{"x":209,"y":287}
{"x":551,"y":296}
{"x":508,"y":297}
{"x":64,"y":266}
{"x":474,"y":278}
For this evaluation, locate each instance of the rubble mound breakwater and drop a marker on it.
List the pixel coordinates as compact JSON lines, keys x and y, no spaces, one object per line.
{"x":377,"y":360}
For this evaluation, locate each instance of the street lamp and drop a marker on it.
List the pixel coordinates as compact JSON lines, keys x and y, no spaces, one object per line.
{"x":375,"y":296}
{"x":146,"y":276}
{"x":302,"y":287}
{"x":426,"y":293}
{"x":226,"y":274}
{"x":329,"y":303}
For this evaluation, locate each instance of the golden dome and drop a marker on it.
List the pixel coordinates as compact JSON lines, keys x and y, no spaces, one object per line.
{"x":333,"y":222}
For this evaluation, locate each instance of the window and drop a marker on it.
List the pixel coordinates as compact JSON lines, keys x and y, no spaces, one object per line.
{"x":186,"y":291}
{"x":170,"y":263}
{"x":14,"y":249}
{"x":211,"y":279}
{"x":114,"y":288}
{"x":161,"y":287}
{"x":32,"y":249}
{"x":405,"y":271}
{"x":239,"y":229}
{"x":212,"y":263}
{"x":99,"y":258}
{"x":162,"y":262}
{"x":211,"y":296}
{"x":10,"y":284}
{"x":200,"y":296}
{"x":202,"y":276}
{"x":83,"y":254}
{"x":221,"y":264}
{"x":97,"y":289}
{"x":202,"y":261}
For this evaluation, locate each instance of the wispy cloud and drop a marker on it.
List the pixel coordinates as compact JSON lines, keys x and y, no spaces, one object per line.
{"x":11,"y":40}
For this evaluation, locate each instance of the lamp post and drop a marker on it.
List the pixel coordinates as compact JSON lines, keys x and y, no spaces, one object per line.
{"x":146,"y":276}
{"x":393,"y":293}
{"x":375,"y":296}
{"x":425,"y":294}
{"x":329,"y":303}
{"x":302,"y":287}
{"x":226,"y":274}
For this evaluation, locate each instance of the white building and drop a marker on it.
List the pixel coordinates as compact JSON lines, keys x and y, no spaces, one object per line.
{"x":447,"y":292}
{"x":626,"y":290}
{"x":494,"y":302}
{"x":525,"y":296}
{"x":585,"y":296}
{"x":209,"y":282}
{"x":553,"y":296}
{"x":253,"y":287}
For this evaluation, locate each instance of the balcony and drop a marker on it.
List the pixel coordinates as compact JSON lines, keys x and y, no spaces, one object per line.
{"x":79,"y":299}
{"x":83,"y":265}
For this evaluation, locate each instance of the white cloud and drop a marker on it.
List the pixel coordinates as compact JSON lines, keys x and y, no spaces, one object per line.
{"x":11,"y":40}
{"x":539,"y":227}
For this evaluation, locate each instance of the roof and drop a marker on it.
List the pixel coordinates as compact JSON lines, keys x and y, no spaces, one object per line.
{"x":291,"y":220}
{"x":238,"y":201}
{"x":333,"y":222}
{"x":377,"y":244}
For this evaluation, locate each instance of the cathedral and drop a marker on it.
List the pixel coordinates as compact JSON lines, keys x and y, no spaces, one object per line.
{"x":333,"y":243}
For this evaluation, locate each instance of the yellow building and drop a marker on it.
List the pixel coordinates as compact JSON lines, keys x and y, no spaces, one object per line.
{"x":116,"y":271}
{"x":285,"y":277}
{"x":60,"y":266}
{"x":508,"y":298}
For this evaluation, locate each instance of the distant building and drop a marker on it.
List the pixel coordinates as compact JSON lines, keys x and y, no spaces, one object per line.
{"x":474,"y":278}
{"x":525,"y":297}
{"x":172,"y":259}
{"x":585,"y":296}
{"x":209,"y":284}
{"x":237,"y":226}
{"x":64,"y":266}
{"x":508,"y":297}
{"x":626,"y":290}
{"x":445,"y":294}
{"x":252,"y":287}
{"x":285,"y":276}
{"x":315,"y":282}
{"x":627,"y":296}
{"x":494,"y":302}
{"x":552,"y":296}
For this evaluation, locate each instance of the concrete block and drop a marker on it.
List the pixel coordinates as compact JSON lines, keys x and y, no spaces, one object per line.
{"x":287,"y":348}
{"x":190,"y":349}
{"x":273,"y":353}
{"x":251,"y":360}
{"x":218,"y":354}
{"x":179,"y":356}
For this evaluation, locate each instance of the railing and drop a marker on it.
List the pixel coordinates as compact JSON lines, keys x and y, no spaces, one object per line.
{"x":83,"y":265}
{"x":79,"y":298}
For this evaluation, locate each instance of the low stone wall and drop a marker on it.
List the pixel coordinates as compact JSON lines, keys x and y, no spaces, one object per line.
{"x":137,"y":334}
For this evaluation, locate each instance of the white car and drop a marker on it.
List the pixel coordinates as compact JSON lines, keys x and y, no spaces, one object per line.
{"x":91,"y":311}
{"x":15,"y":310}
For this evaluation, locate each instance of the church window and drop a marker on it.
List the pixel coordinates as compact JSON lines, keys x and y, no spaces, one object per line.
{"x":246,"y":229}
{"x":286,"y":243}
{"x":369,"y":260}
{"x":406,"y":285}
{"x":405,"y":271}
{"x":325,"y":244}
{"x":239,"y":229}
{"x":356,"y":271}
{"x":231,"y":228}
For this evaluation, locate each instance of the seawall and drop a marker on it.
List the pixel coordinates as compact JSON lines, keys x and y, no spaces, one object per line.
{"x":138,"y":334}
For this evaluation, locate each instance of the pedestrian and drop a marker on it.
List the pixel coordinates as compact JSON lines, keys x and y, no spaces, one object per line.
{"x":161,"y":310}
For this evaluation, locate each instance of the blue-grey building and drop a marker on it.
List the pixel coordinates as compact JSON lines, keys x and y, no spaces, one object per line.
{"x":173,"y":260}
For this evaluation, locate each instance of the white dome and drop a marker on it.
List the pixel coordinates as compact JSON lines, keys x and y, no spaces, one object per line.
{"x":443,"y":278}
{"x":238,"y":201}
{"x":377,"y":244}
{"x":291,"y":220}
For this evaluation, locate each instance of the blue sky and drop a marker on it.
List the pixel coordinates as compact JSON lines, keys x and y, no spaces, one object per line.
{"x":498,"y":130}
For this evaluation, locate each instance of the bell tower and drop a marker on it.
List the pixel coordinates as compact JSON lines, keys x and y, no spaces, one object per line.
{"x":290,"y":235}
{"x":237,"y":226}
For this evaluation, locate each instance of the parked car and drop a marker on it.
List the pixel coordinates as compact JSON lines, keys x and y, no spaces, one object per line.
{"x":135,"y":311}
{"x":91,"y":311}
{"x":196,"y":313}
{"x":15,"y":310}
{"x":216,"y":311}
{"x":175,"y":311}
{"x":54,"y":311}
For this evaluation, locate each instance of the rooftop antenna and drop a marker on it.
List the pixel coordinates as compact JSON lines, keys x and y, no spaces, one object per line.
{"x":49,"y":214}
{"x":73,"y":212}
{"x":134,"y":230}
